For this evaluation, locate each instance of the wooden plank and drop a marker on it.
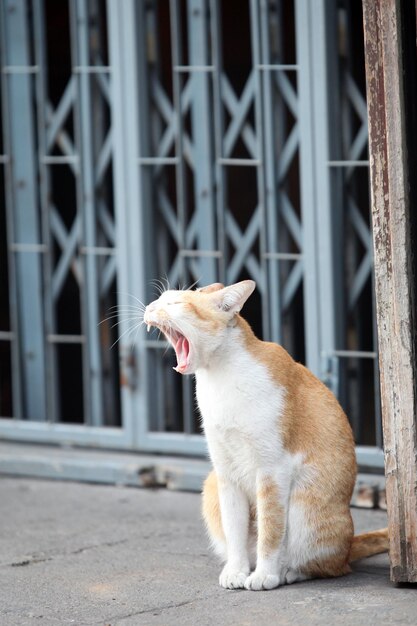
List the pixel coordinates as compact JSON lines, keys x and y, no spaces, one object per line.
{"x":394,"y":279}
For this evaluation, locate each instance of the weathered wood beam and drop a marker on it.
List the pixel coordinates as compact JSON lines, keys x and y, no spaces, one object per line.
{"x":386,"y":39}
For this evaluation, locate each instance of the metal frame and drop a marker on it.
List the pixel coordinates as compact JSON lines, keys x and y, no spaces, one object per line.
{"x":80,"y":250}
{"x":172,"y":156}
{"x":353,"y":267}
{"x":23,"y":219}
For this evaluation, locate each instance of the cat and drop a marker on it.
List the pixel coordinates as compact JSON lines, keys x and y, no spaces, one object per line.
{"x":276,"y":505}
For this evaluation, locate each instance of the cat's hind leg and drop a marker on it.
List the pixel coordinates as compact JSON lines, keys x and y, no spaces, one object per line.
{"x":212,"y":515}
{"x":319,"y":537}
{"x":292,"y":576}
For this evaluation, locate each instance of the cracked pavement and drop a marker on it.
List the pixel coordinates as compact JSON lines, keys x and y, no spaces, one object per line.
{"x":101,"y":555}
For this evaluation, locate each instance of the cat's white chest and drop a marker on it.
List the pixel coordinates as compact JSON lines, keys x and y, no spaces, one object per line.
{"x":241,"y":408}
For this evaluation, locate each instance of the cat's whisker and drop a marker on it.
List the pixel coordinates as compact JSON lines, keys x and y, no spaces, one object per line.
{"x":136,"y":335}
{"x":112,"y":314}
{"x":121,"y":315}
{"x":126,"y":307}
{"x":128,"y":331}
{"x":123,"y":310}
{"x":161,"y":285}
{"x":122,"y":307}
{"x":130,"y":295}
{"x":167,"y":285}
{"x":158,"y":285}
{"x":108,"y":319}
{"x":169,"y":329}
{"x":193,"y":285}
{"x":129,"y":319}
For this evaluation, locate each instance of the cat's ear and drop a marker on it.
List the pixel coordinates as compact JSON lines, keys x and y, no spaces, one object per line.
{"x":211,"y":288}
{"x":233,"y":298}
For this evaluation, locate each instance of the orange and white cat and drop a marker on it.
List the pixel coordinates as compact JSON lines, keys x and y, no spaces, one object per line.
{"x":276,"y":505}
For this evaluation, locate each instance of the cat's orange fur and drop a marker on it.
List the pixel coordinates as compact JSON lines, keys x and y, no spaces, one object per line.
{"x":312,"y":429}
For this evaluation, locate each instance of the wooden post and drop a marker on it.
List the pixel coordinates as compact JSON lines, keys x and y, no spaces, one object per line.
{"x":386,"y":40}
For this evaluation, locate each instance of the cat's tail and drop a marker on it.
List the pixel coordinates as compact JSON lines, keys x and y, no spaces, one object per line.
{"x":368,"y":544}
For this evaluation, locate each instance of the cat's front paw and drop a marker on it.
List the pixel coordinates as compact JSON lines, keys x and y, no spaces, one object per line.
{"x":233,"y":578}
{"x":258,"y":581}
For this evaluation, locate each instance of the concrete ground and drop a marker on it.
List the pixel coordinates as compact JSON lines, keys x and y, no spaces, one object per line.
{"x":88,"y":554}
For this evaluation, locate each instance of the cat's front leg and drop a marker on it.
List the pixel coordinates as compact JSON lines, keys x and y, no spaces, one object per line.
{"x":234,"y":507}
{"x":271,"y":526}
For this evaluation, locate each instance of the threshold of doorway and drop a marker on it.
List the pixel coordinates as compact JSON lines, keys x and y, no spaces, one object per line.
{"x":102,"y":466}
{"x":137,"y":470}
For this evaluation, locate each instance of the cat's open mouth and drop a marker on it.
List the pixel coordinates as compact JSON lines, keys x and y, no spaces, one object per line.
{"x":182,"y":350}
{"x":181,"y":346}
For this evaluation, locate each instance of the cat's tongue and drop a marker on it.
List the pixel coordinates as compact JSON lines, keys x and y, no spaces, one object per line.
{"x":182,"y":349}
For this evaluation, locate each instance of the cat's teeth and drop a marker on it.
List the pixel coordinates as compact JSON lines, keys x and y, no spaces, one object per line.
{"x":148,"y":328}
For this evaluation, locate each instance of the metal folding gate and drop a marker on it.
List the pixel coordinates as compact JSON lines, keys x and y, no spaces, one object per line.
{"x":182,"y":140}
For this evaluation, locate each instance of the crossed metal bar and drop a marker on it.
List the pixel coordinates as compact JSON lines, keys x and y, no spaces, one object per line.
{"x":59,"y":147}
{"x":239,"y":127}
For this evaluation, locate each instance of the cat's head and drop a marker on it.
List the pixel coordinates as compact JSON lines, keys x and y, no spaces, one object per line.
{"x":196,"y":323}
